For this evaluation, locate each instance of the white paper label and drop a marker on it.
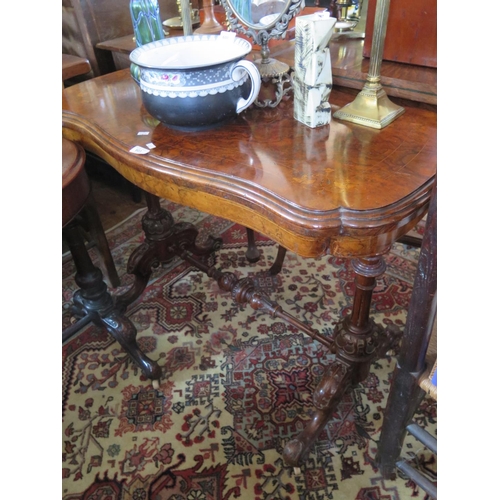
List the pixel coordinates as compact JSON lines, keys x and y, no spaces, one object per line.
{"x":139,"y":150}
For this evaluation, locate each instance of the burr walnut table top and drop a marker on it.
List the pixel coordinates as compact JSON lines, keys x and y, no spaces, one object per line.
{"x":343,"y":188}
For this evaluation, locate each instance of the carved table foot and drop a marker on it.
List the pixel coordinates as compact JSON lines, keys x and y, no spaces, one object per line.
{"x":335,"y":381}
{"x":357,"y":341}
{"x":124,"y":331}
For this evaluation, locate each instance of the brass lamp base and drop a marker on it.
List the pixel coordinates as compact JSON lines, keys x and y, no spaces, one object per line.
{"x":371,"y":108}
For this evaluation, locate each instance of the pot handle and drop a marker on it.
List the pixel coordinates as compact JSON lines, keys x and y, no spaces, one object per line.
{"x":253,"y":72}
{"x":135,"y":71}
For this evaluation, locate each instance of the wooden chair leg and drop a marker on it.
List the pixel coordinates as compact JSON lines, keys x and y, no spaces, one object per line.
{"x":406,"y":394}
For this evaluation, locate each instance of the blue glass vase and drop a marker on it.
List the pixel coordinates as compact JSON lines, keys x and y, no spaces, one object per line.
{"x":146,"y":21}
{"x":147,"y":26}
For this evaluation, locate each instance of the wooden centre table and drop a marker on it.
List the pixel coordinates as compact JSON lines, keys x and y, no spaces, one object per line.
{"x":341,"y":189}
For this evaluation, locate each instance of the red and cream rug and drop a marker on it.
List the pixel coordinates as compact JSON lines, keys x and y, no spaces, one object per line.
{"x":236,"y":384}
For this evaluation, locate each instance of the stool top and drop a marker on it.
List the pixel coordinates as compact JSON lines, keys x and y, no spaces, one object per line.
{"x":73,"y":160}
{"x":75,"y":182}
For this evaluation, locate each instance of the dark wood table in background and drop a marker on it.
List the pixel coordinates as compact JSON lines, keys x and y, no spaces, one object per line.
{"x":341,"y":189}
{"x":349,"y":67}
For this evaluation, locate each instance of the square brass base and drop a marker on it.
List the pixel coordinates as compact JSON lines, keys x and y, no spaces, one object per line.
{"x":370,"y":108}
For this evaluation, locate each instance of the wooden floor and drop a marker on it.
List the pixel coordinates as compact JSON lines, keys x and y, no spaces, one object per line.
{"x":116,"y":198}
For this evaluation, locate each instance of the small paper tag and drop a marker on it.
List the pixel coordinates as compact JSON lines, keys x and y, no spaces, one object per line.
{"x":150,"y":145}
{"x":143,"y":132}
{"x":139,"y":150}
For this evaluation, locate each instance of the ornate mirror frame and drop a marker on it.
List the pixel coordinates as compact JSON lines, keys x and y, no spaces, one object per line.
{"x":270,"y":69}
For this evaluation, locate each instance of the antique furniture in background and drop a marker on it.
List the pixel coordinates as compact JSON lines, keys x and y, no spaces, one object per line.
{"x":210,"y":24}
{"x":342,"y":189}
{"x":416,"y":365}
{"x":88,"y":22}
{"x":349,"y":67}
{"x":411,"y":36}
{"x":74,"y":66}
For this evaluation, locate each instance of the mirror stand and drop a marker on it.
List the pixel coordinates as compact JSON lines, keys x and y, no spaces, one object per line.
{"x":275,"y":72}
{"x":272,"y":25}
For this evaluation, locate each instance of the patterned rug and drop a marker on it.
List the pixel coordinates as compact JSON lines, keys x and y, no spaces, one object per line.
{"x":236,"y":384}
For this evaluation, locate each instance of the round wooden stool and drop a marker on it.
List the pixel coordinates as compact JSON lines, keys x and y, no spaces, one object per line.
{"x":75,"y":183}
{"x":92,"y":302}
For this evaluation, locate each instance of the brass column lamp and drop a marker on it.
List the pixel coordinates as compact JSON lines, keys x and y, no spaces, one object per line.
{"x":372,"y":107}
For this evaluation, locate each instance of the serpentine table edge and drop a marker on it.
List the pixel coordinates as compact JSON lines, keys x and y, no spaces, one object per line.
{"x":341,"y":231}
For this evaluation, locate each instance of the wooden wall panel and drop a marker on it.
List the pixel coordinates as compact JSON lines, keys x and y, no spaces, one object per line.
{"x":411,"y":32}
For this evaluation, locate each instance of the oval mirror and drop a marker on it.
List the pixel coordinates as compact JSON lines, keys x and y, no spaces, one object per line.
{"x":263,"y":20}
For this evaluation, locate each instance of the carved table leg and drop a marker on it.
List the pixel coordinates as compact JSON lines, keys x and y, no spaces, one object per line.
{"x":157,"y":225}
{"x":94,"y":300}
{"x":357,"y":342}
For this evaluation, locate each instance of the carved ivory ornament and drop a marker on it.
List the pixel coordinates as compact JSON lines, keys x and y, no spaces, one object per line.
{"x":312,"y":82}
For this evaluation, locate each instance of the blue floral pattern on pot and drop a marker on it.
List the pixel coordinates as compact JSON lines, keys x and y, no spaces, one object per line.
{"x":190,"y":83}
{"x":209,"y":73}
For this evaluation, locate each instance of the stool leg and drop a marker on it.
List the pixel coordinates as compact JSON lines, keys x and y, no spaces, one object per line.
{"x":94,"y":299}
{"x":98,"y":235}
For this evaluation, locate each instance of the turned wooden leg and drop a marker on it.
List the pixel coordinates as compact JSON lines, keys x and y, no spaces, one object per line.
{"x":93,"y":299}
{"x":357,"y":342}
{"x":97,"y":233}
{"x":404,"y":399}
{"x":253,"y":254}
{"x":278,"y":263}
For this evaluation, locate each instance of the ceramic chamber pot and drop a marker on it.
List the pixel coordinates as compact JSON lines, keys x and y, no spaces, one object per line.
{"x":196,"y":82}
